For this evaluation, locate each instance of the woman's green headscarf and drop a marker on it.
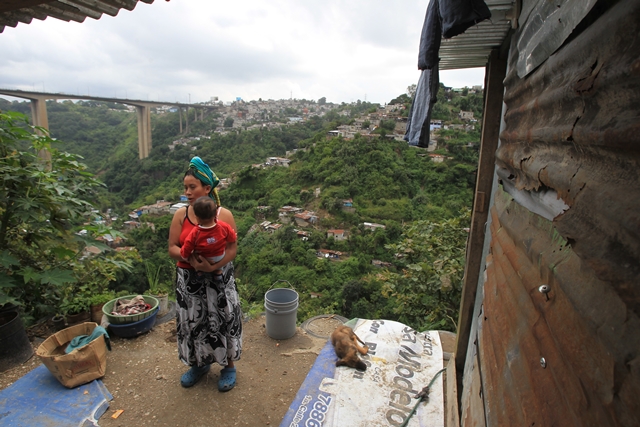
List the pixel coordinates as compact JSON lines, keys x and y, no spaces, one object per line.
{"x":203,"y":172}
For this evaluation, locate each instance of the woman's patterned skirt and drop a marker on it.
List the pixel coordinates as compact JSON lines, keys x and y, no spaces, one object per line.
{"x":208,"y":317}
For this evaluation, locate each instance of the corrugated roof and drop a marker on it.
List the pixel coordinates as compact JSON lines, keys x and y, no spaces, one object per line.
{"x":14,"y":12}
{"x":472,"y":48}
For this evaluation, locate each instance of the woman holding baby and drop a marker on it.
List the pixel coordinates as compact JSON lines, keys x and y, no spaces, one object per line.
{"x":208,"y":316}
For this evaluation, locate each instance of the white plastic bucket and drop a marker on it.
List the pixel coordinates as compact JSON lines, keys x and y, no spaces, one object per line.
{"x":281,"y":306}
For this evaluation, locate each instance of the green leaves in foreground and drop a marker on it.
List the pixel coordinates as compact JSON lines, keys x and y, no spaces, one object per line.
{"x":428,"y":288}
{"x":44,"y":197}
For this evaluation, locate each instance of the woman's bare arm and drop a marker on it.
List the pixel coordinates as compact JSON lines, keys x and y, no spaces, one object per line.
{"x":226,"y":216}
{"x":203,"y":265}
{"x":174,"y":234}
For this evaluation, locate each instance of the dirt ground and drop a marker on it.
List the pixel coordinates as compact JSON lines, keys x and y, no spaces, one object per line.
{"x":143,"y":375}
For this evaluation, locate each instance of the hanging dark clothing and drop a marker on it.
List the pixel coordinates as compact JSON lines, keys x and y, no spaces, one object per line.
{"x":458,"y":15}
{"x":444,"y":19}
{"x":420,"y":114}
{"x":430,"y":37}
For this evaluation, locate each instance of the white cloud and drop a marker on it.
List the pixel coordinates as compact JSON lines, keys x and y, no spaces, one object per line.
{"x":343,"y":50}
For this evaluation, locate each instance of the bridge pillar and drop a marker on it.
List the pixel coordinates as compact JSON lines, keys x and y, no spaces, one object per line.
{"x":144,"y":130}
{"x":39,"y":118}
{"x":39,"y":112}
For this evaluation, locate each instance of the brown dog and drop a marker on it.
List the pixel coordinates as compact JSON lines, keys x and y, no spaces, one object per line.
{"x":345,"y":342}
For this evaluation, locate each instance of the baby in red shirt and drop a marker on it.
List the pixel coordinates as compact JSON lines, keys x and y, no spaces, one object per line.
{"x":209,"y":239}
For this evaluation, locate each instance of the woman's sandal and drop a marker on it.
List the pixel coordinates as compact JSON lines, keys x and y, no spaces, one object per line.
{"x":193,"y":375}
{"x":227,"y":379}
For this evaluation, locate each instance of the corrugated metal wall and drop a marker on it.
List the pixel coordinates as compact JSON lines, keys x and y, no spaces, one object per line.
{"x":571,"y":134}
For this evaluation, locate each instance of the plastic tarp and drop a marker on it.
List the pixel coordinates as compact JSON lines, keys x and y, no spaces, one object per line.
{"x":38,"y":400}
{"x":400,"y":362}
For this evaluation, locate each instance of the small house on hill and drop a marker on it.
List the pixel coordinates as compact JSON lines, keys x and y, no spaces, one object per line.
{"x":465,"y":115}
{"x":347,"y":206}
{"x":329,"y":254}
{"x":177,"y":206}
{"x":305,"y":219}
{"x":338,"y":234}
{"x":272,"y":227}
{"x":373,"y":226}
{"x":285,"y":213}
{"x":437,"y":158}
{"x":130,"y":225}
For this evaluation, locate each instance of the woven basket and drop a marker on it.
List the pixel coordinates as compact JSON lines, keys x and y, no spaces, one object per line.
{"x":130,"y":318}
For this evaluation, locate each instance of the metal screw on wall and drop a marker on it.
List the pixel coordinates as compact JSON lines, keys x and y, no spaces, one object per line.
{"x":543,"y":362}
{"x":545,"y":289}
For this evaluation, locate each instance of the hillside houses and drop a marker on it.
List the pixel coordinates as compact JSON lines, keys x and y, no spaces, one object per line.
{"x":177,"y":206}
{"x":465,"y":115}
{"x":192,"y":141}
{"x":347,"y":206}
{"x":365,"y":125}
{"x":112,"y":242}
{"x":269,"y":113}
{"x":338,"y":234}
{"x":159,"y":208}
{"x":285,"y":213}
{"x":270,"y":227}
{"x":373,"y":226}
{"x":394,"y":108}
{"x":272,"y":161}
{"x":224,"y":183}
{"x":329,"y":254}
{"x":437,"y":158}
{"x":305,"y":219}
{"x":277,"y":161}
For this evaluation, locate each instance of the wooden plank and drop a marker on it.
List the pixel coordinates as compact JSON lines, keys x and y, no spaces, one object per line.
{"x":495,"y":74}
{"x":472,"y":410}
{"x":451,"y":414}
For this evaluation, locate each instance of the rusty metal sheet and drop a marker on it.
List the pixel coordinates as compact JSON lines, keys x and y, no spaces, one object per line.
{"x":573,"y":127}
{"x":581,"y":331}
{"x":547,"y":26}
{"x":596,"y":334}
{"x":472,"y":413}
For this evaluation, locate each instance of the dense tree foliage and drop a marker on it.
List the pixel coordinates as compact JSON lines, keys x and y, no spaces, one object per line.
{"x":431,"y":257}
{"x":45,"y":196}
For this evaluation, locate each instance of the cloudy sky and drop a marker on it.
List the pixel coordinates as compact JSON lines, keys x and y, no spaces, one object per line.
{"x":184,"y":50}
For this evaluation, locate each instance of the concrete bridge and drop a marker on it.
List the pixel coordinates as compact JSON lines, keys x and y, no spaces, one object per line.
{"x":143,"y":109}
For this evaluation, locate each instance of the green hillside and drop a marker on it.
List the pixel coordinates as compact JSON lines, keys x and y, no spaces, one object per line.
{"x":390,"y":184}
